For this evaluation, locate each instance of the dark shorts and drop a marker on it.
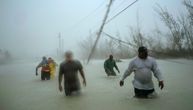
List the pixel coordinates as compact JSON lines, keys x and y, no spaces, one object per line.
{"x":45,"y":75}
{"x":110,"y":73}
{"x":72,"y":86}
{"x":141,"y":93}
{"x":68,"y":91}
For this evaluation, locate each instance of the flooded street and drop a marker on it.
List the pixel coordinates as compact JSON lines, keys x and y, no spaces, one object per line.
{"x":20,"y":89}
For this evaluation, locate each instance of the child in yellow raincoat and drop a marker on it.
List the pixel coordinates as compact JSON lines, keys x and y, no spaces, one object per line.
{"x":52,"y":65}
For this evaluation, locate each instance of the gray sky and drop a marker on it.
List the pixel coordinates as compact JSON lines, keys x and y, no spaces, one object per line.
{"x":31,"y":27}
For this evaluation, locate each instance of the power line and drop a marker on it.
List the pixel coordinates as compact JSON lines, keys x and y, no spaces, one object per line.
{"x":92,"y":12}
{"x":127,"y":43}
{"x":100,"y":30}
{"x":121,"y":12}
{"x":118,"y":6}
{"x":103,"y":24}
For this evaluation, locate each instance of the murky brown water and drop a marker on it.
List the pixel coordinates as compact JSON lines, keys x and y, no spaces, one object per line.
{"x":20,"y":89}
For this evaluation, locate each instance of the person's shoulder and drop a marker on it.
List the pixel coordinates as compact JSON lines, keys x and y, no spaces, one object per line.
{"x":134,"y":59}
{"x":62,"y":63}
{"x":106,"y":60}
{"x":77,"y":61}
{"x":151,"y":59}
{"x":78,"y":64}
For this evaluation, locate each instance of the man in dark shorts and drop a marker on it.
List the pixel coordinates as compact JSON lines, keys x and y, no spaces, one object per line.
{"x":143,"y":66}
{"x":69,"y":71}
{"x":45,"y":70}
{"x":109,"y":64}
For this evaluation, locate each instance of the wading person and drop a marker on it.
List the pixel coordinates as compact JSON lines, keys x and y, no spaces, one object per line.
{"x":69,"y":71}
{"x":143,"y":66}
{"x":45,"y":70}
{"x":52,"y":64}
{"x":109,"y":64}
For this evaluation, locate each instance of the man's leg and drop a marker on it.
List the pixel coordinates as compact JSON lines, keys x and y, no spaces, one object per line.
{"x":47,"y":75}
{"x":140,"y":93}
{"x":42,"y":75}
{"x":67,"y":92}
{"x":148,"y":92}
{"x":107,"y":72}
{"x":113,"y":73}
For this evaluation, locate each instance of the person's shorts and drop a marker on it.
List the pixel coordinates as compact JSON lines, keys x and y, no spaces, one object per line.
{"x":45,"y":75}
{"x":141,"y":93}
{"x":110,"y":73}
{"x":72,"y":86}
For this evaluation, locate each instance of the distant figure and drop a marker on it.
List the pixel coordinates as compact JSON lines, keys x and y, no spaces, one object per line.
{"x":52,"y":65}
{"x":69,"y":71}
{"x":143,"y":66}
{"x":109,"y":64}
{"x":45,"y":70}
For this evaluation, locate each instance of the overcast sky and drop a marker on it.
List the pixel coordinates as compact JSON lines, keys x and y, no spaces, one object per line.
{"x":31,"y":27}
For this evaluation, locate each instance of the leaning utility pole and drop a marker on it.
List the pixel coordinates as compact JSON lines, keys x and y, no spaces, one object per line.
{"x":100,"y":30}
{"x":60,"y":45}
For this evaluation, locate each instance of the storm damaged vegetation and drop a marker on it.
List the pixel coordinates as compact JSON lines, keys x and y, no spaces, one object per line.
{"x":175,"y":42}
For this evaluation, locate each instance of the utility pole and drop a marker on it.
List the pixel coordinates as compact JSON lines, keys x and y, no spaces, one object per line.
{"x":100,"y":30}
{"x":62,"y":46}
{"x":59,"y":41}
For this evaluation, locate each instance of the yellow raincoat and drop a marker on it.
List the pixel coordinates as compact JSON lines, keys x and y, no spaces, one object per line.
{"x":52,"y":66}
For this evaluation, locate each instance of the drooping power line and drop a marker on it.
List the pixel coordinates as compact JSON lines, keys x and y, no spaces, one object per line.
{"x":119,"y":6}
{"x":121,"y":12}
{"x":100,"y":30}
{"x":87,"y":16}
{"x":111,"y":37}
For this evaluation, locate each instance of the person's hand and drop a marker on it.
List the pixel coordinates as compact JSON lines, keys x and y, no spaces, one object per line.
{"x":84,"y":82}
{"x":60,"y":88}
{"x":161,"y":85}
{"x":121,"y":83}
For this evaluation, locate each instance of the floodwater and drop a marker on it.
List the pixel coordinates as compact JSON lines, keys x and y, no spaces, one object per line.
{"x":20,"y":89}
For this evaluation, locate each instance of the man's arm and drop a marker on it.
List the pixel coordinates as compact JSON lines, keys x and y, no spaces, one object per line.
{"x":158,"y":74}
{"x":116,"y":67}
{"x":39,"y":65}
{"x":60,"y":78}
{"x":82,"y":73}
{"x":127,"y":73}
{"x":83,"y":76}
{"x":37,"y":70}
{"x":105,"y":65}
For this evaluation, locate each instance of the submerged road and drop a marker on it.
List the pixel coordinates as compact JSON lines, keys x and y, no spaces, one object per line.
{"x":20,"y":89}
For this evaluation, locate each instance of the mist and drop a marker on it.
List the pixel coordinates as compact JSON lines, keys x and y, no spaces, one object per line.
{"x":30,"y":29}
{"x":93,"y":31}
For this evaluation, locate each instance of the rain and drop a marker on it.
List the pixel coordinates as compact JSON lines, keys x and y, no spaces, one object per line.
{"x":87,"y":33}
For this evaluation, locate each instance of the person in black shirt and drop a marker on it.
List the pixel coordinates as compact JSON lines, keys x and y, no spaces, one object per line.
{"x":69,"y":71}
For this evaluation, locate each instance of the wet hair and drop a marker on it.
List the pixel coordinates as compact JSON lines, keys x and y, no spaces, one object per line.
{"x":142,"y":49}
{"x":68,"y":53}
{"x":111,"y":56}
{"x":44,"y":57}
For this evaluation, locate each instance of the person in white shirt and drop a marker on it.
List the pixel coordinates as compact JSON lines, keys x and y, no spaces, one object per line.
{"x":143,"y":66}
